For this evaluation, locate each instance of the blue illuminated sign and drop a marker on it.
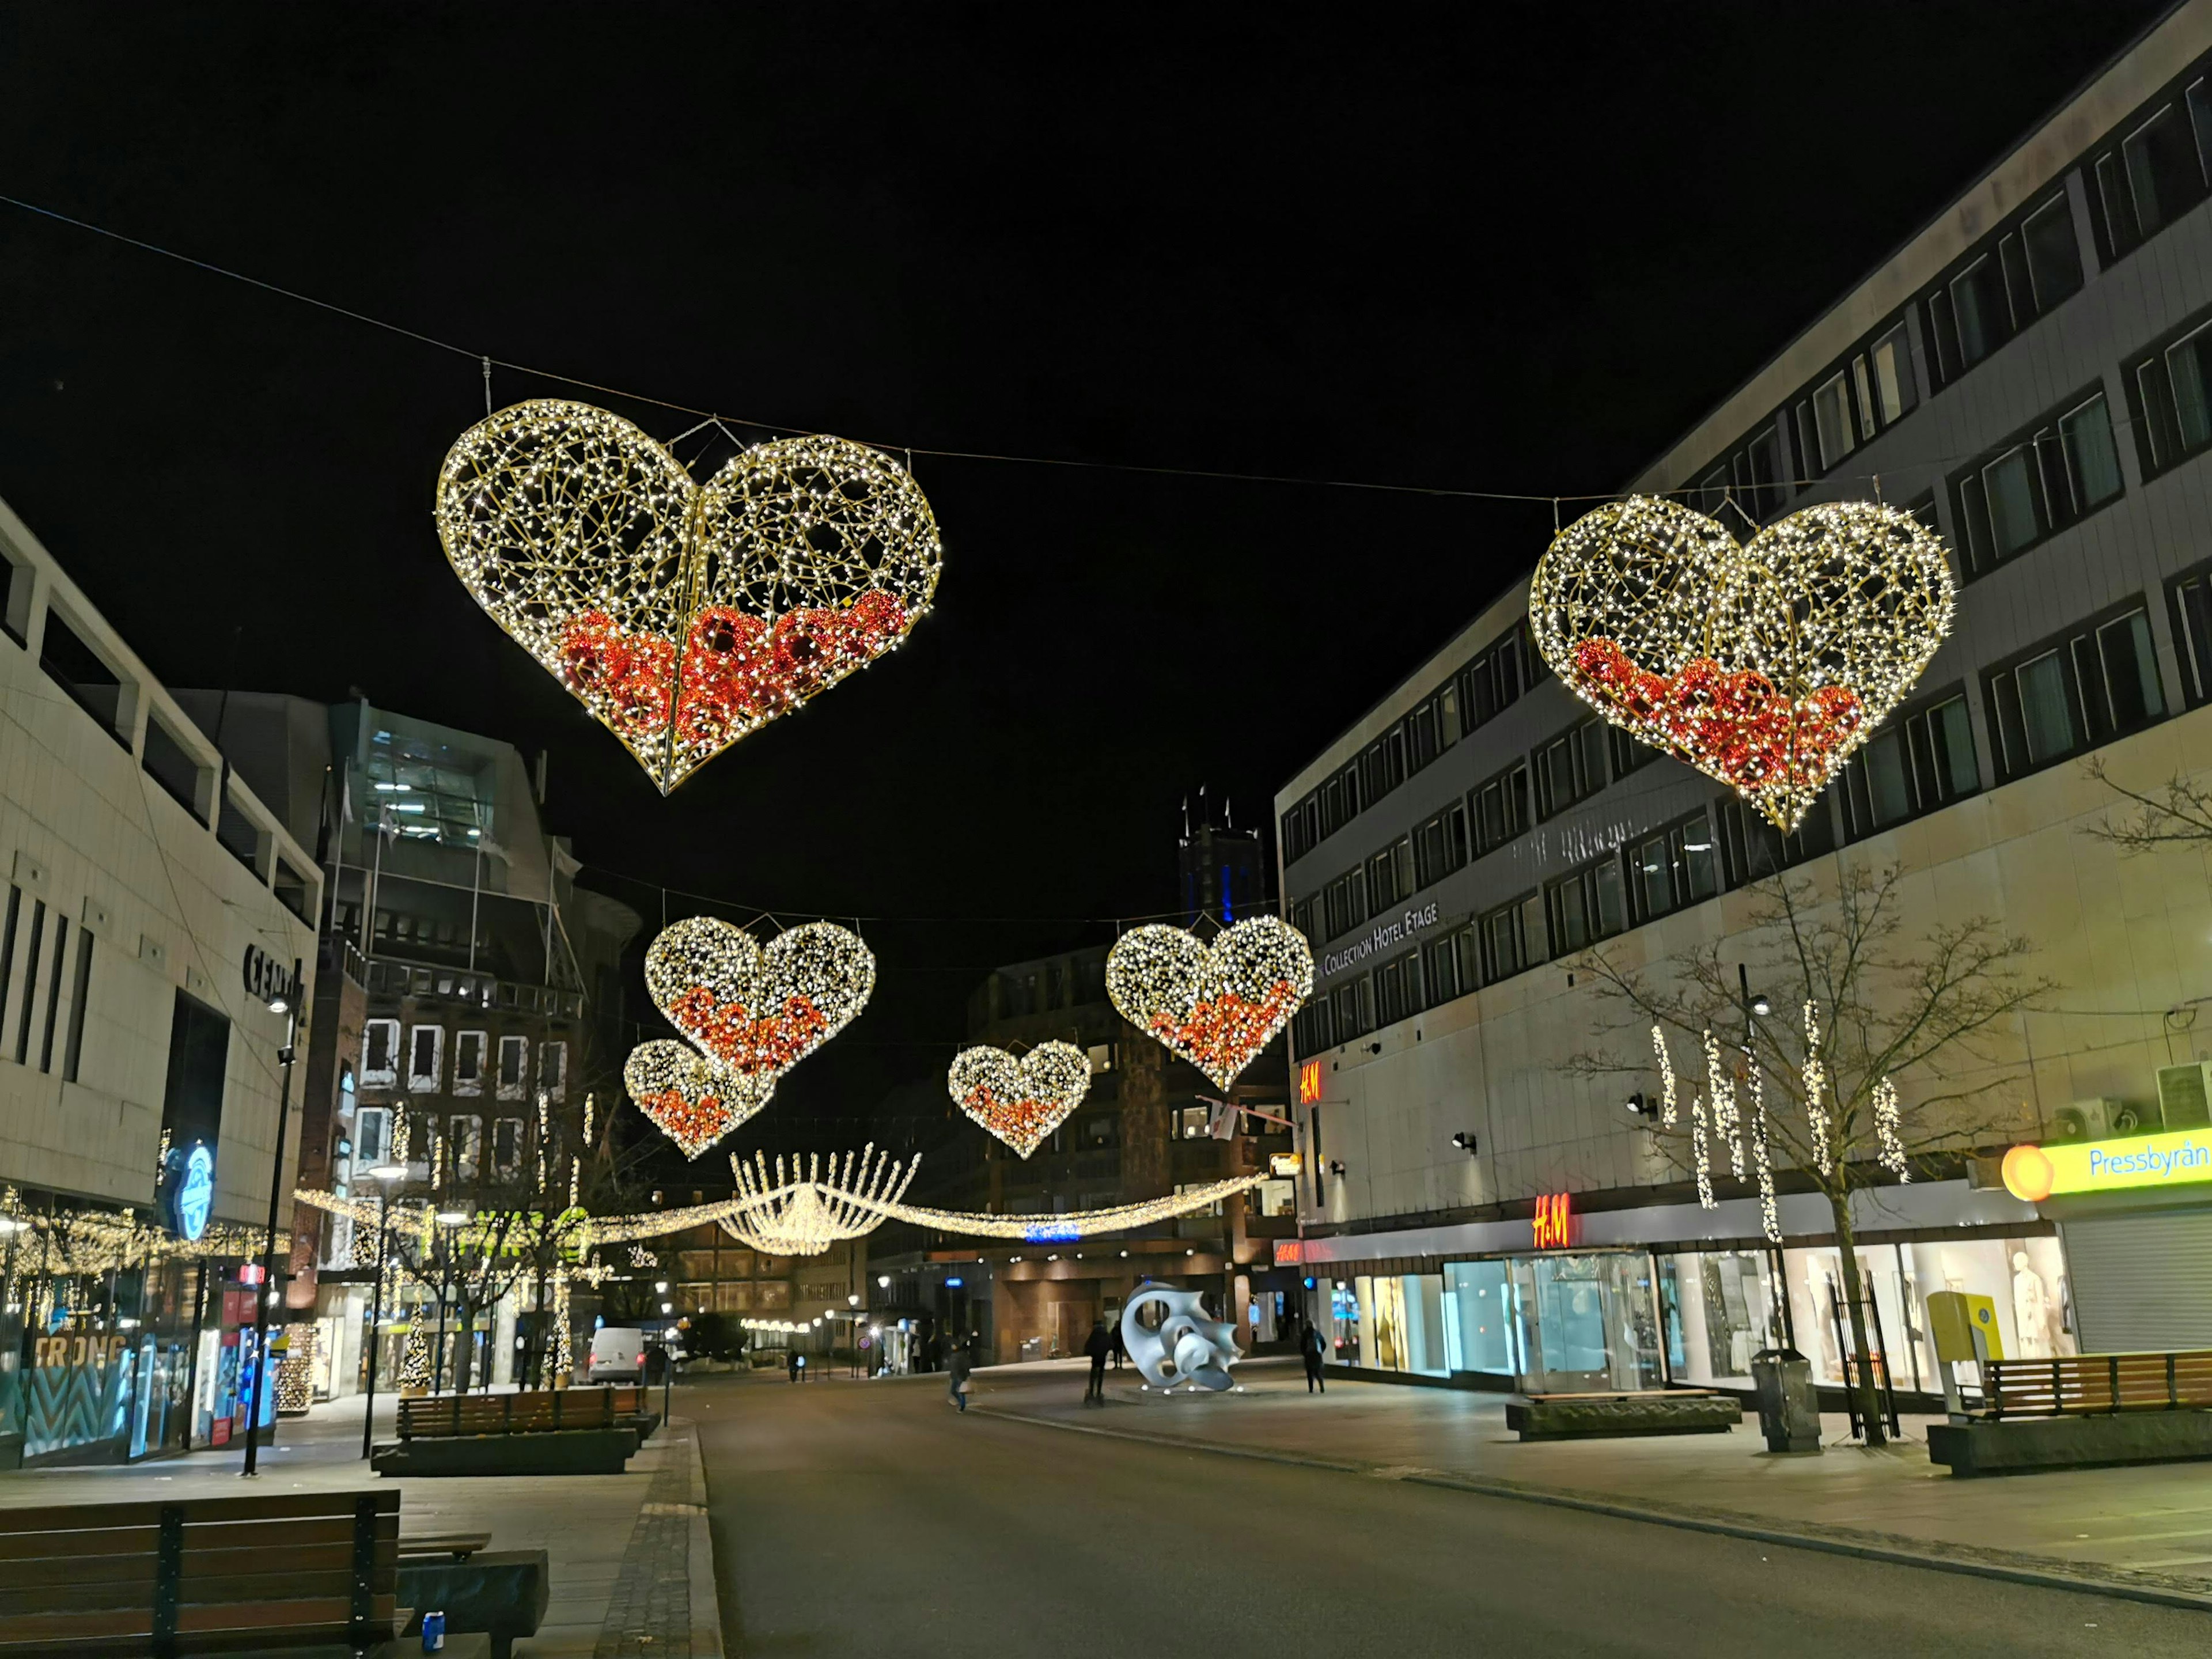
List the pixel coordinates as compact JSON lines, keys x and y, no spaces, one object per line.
{"x":954,"y":1284}
{"x":1050,"y":1233}
{"x":195,"y":1192}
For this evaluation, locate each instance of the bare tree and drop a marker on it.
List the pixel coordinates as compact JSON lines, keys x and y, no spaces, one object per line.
{"x":1876,"y":1052}
{"x":2178,"y":815}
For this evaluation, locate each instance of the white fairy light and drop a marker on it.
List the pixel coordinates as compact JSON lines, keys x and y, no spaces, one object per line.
{"x":684,"y":616}
{"x":1762,"y":1158}
{"x":1763,"y":664}
{"x":1816,"y":1091}
{"x":1727,"y":1124}
{"x":1020,"y":1101}
{"x":1666,"y":1111}
{"x":1217,"y":1006}
{"x":1700,"y":1154}
{"x":1889,"y":1131}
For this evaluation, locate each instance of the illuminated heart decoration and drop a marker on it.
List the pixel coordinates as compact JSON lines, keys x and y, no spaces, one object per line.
{"x":688,"y":1097}
{"x":684,"y":616}
{"x":758,"y":1011}
{"x":1765,"y":664}
{"x":1020,"y":1101}
{"x":1215,"y":1005}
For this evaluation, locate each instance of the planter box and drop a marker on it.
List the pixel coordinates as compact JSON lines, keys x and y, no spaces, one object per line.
{"x":2027,"y":1445}
{"x":564,"y":1451}
{"x":1605,"y":1416}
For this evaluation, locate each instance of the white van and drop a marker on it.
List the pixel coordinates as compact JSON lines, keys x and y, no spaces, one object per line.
{"x":617,"y":1355}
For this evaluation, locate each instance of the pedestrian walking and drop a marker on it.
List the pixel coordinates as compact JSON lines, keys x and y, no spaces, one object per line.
{"x":791,"y":1363}
{"x":1097,"y":1346}
{"x":1120,"y":1348}
{"x":1311,"y":1345}
{"x":956,"y":1369}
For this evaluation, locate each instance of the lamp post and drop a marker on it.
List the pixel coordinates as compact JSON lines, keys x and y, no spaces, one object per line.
{"x":287,"y":1004}
{"x":384,"y":1175}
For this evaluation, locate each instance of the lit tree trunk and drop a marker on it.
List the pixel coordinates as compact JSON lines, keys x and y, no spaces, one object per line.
{"x":465,"y":1348}
{"x":1839,"y":1205}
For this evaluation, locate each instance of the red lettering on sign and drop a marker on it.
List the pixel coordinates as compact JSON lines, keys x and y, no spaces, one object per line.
{"x":1309,"y":1082}
{"x":1554,"y":1221}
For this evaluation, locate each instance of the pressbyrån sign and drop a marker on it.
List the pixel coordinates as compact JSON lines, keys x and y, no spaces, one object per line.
{"x":1385,"y":935}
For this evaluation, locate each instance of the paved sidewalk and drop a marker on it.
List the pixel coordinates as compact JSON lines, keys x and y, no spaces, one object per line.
{"x":630,"y":1567}
{"x":2148,"y":1530}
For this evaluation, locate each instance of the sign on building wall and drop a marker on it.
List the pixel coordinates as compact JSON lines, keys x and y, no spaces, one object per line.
{"x":2035,"y":1173}
{"x":1555,"y":1220}
{"x":1309,"y":1082}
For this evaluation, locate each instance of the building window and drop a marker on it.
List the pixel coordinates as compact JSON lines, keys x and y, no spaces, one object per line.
{"x":1344,"y":904}
{"x":1501,"y":808}
{"x":1587,"y":906}
{"x":1918,"y":762}
{"x":466,"y":1134}
{"x":1312,"y":1030}
{"x":2152,"y":175}
{"x":80,"y":994}
{"x":2098,"y":682}
{"x":1571,"y":767}
{"x":1867,"y":393}
{"x":553,"y":1070}
{"x":2043,"y":481}
{"x":1628,"y":754}
{"x":1302,"y":915}
{"x":380,"y":1054}
{"x":2003,"y":288}
{"x":1398,"y":989}
{"x":1390,"y":876}
{"x":2189,"y":597}
{"x":513,"y":1066}
{"x":1440,"y":846}
{"x":1753,"y":849}
{"x":1100,"y":1056}
{"x":1672,"y":867}
{"x":1513,"y":937}
{"x":1750,"y":475}
{"x":1494,"y":680}
{"x":2168,"y":396}
{"x":469,"y":1062}
{"x":507,"y":1148}
{"x":1353,"y":1013}
{"x":426,"y":1053}
{"x":1382,"y":767}
{"x":372,"y":1137}
{"x":1440,"y":980}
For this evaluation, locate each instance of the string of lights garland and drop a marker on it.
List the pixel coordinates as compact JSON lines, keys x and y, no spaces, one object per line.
{"x":1217,"y":1006}
{"x":797,"y":1215}
{"x":1763,"y":664}
{"x":89,"y":1244}
{"x":1762,"y":1159}
{"x":1667,"y":1107}
{"x":1889,"y":1131}
{"x":1720,"y":1084}
{"x":1019,"y":1100}
{"x":684,"y":617}
{"x":1816,"y":1089}
{"x":1700,"y":1154}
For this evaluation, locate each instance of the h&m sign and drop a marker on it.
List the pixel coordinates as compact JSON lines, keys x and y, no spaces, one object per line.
{"x":1555,"y":1221}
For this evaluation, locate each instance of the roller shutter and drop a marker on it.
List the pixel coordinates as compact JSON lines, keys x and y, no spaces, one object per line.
{"x":2142,"y":1281}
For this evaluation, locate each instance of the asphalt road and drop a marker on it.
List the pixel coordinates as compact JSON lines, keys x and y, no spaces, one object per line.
{"x":869,"y":1519}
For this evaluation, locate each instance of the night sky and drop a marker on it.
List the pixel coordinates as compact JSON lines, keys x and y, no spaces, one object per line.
{"x":1509,"y":248}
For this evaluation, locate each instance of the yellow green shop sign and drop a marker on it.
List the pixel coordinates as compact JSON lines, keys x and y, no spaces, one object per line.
{"x":2035,"y":1173}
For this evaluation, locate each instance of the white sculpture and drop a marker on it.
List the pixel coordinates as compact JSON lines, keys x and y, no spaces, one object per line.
{"x":1187,"y":1347}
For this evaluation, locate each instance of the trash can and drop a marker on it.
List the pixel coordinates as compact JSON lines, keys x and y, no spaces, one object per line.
{"x":1789,"y":1407}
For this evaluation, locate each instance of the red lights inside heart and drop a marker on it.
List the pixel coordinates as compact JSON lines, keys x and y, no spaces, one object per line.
{"x":1734,"y":723}
{"x":1222,"y":1033}
{"x":736,"y":670}
{"x":1020,"y":1123}
{"x":743,"y":1043}
{"x":691,"y":1124}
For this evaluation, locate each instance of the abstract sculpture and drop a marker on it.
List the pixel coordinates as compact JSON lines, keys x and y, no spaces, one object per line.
{"x":1186,"y":1348}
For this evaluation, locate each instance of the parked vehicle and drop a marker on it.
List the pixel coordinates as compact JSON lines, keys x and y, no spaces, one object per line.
{"x":617,"y":1355}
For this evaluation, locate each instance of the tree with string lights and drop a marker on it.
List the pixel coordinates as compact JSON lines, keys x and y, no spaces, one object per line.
{"x":1835,"y":1050}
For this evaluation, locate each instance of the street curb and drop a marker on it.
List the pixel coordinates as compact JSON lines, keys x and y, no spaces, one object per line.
{"x":706,"y":1603}
{"x":1839,"y":1542}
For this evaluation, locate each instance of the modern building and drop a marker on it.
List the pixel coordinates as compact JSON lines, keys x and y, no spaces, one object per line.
{"x":1150,"y":1126}
{"x":2027,"y":374}
{"x":469,"y":1006}
{"x":154,"y":909}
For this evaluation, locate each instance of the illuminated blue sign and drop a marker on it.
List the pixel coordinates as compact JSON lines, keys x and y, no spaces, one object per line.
{"x":1050,"y":1233}
{"x":955,"y":1283}
{"x":195,"y":1192}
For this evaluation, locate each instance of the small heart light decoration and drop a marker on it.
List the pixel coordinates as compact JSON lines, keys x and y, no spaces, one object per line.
{"x":1763,"y":664}
{"x":749,"y":1012}
{"x":1215,"y":1005}
{"x":1020,"y":1101}
{"x":684,"y":616}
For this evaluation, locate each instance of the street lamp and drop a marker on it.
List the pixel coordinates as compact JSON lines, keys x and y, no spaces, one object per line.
{"x":384,"y":1175}
{"x":279,"y":1004}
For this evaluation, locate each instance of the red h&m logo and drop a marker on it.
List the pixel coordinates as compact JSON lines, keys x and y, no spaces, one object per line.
{"x":1309,"y":1083}
{"x":1555,"y":1217}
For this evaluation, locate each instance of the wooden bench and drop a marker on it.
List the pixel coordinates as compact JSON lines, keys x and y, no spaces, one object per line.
{"x":1629,"y":1412}
{"x":207,"y":1575}
{"x":542,"y":1411}
{"x":456,"y":1545}
{"x":2096,"y":1383}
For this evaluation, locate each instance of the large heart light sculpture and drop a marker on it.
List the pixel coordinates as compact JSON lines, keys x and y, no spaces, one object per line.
{"x":1020,"y":1101}
{"x":749,"y":1013}
{"x":1215,"y":1005}
{"x":1765,"y":664}
{"x":684,"y":616}
{"x":689,"y":1098}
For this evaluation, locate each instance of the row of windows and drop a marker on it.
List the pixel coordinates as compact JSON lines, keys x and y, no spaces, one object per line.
{"x":2053,"y":474}
{"x":1492,"y":681}
{"x":449,"y":1149}
{"x":31,"y":995}
{"x":1571,"y":767}
{"x":425,"y":1057}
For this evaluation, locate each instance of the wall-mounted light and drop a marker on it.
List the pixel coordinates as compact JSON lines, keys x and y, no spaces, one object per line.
{"x":1464,"y":1141}
{"x":1336,"y":1166}
{"x":1640,"y":1104}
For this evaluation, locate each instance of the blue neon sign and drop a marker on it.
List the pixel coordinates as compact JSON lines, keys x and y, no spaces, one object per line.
{"x":195,"y":1195}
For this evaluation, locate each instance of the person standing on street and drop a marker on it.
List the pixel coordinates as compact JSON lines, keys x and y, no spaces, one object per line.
{"x":1312,"y":1347}
{"x":956,"y":1370}
{"x":791,"y":1363}
{"x":1098,"y":1346}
